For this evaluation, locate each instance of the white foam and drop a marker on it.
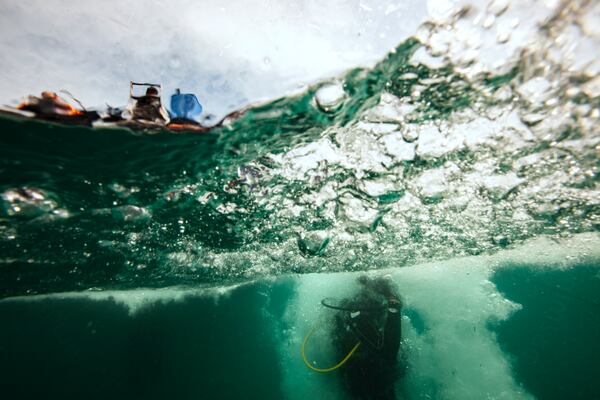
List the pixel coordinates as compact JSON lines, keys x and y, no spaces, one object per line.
{"x":136,"y":300}
{"x":396,"y":146}
{"x":434,"y":144}
{"x":456,"y":356}
{"x":432,"y":184}
{"x":545,"y":252}
{"x":421,"y":56}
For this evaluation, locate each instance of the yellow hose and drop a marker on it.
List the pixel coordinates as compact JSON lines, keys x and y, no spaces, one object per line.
{"x":324,"y":370}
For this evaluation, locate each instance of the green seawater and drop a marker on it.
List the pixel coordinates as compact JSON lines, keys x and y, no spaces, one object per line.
{"x":161,"y":265}
{"x":245,"y":342}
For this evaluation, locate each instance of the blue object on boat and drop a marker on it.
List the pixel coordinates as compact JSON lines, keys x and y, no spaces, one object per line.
{"x":185,"y":105}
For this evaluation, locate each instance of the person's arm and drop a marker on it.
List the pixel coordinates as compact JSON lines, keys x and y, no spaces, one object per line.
{"x":60,"y":103}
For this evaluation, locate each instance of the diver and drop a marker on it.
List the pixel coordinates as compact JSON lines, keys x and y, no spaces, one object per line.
{"x":149,"y":108}
{"x":366,"y":336}
{"x":372,"y":371}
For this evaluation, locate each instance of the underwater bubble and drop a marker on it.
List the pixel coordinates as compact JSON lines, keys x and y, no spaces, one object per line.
{"x":498,"y":7}
{"x":226,"y":208}
{"x":356,"y":213}
{"x":377,"y":187}
{"x":433,"y":144}
{"x":423,"y":57}
{"x":131,"y":213}
{"x":498,"y":186}
{"x":489,"y":21}
{"x":408,"y":76}
{"x":410,"y":134}
{"x":503,"y":37}
{"x":535,"y":90}
{"x":592,"y":87}
{"x":329,"y":97}
{"x":432,"y":184}
{"x":27,"y":202}
{"x":313,"y":243}
{"x":397,"y":146}
{"x":390,"y":109}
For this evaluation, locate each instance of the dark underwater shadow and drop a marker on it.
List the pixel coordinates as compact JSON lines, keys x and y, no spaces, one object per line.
{"x":190,"y":349}
{"x":554,"y":338}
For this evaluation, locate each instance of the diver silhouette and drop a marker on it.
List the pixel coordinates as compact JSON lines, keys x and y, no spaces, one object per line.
{"x":372,"y":317}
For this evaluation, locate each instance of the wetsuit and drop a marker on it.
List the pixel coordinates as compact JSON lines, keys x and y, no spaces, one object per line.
{"x":371,"y":373}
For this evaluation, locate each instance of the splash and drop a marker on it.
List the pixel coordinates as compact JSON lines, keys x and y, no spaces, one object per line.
{"x":451,"y":146}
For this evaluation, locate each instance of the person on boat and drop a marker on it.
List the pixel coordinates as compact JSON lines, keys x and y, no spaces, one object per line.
{"x":373,"y":318}
{"x":149,"y":108}
{"x":48,"y":104}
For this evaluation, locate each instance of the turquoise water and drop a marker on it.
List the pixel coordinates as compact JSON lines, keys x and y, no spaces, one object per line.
{"x":552,"y":337}
{"x":528,"y":332}
{"x":182,"y":265}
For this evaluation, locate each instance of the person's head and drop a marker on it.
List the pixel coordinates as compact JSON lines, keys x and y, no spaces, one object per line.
{"x":48,"y":95}
{"x":383,"y":285}
{"x":152,"y":91}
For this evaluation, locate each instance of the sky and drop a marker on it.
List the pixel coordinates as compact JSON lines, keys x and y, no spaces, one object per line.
{"x":229,"y":53}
